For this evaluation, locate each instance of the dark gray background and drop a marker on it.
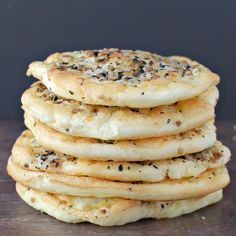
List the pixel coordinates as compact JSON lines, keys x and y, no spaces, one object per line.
{"x":204,"y":30}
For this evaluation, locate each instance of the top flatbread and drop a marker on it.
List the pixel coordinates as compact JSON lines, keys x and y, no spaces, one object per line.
{"x":116,"y":77}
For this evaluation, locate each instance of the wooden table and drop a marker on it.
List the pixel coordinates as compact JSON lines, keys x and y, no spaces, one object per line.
{"x":16,"y":218}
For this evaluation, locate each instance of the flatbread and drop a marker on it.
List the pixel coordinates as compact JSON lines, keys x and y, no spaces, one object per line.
{"x":29,"y":155}
{"x":167,"y":147}
{"x":116,"y":77}
{"x":110,"y":211}
{"x":208,"y":182}
{"x":116,"y":123}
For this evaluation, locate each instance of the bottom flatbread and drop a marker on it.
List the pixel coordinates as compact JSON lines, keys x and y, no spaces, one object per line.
{"x":208,"y":182}
{"x":110,"y":211}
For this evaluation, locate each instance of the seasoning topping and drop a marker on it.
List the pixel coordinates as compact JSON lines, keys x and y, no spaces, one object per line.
{"x":126,"y":66}
{"x":120,"y":167}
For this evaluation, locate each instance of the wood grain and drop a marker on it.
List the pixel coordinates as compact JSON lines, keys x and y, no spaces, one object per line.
{"x":16,"y":218}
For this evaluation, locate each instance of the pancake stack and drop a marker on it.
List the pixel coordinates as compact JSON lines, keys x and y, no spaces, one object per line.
{"x":115,"y":136}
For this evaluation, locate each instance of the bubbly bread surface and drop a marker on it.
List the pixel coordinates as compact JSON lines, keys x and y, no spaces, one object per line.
{"x":116,"y":77}
{"x":166,"y":147}
{"x":117,"y":123}
{"x":208,"y":182}
{"x":28,"y":154}
{"x":110,"y":211}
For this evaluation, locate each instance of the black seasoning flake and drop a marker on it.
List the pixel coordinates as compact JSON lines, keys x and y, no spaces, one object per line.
{"x":162,"y":65}
{"x":141,"y":70}
{"x":142,"y":93}
{"x":95,"y":53}
{"x":184,"y":71}
{"x":155,"y":166}
{"x":74,"y":67}
{"x":71,"y":92}
{"x":120,"y":167}
{"x":42,"y":157}
{"x":168,"y":121}
{"x":162,"y":206}
{"x":55,"y":98}
{"x":103,"y":74}
{"x":67,"y":129}
{"x":120,"y":75}
{"x":26,"y":165}
{"x":108,"y":167}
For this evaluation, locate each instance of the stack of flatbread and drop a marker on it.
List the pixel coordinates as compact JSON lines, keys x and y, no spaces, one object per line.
{"x":119,"y":135}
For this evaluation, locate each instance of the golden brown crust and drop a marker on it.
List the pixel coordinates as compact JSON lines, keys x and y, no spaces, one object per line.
{"x":116,"y":77}
{"x":110,"y":211}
